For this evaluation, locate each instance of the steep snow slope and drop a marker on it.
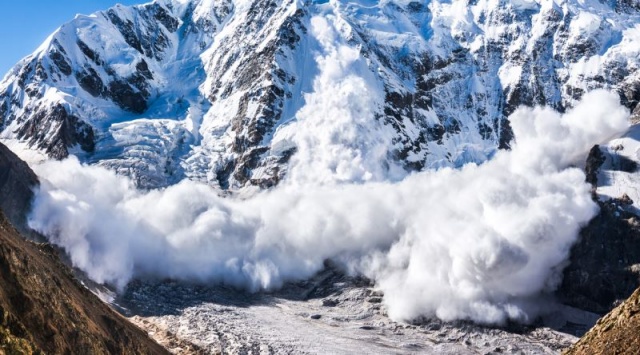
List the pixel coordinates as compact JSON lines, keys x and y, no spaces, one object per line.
{"x":226,"y":91}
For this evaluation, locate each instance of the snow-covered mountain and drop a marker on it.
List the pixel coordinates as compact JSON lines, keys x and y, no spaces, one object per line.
{"x":226,"y":91}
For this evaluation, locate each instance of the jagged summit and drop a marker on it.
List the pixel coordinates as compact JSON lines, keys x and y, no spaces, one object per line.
{"x":227,"y":91}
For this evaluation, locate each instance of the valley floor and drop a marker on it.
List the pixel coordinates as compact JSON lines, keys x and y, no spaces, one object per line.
{"x":331,"y":313}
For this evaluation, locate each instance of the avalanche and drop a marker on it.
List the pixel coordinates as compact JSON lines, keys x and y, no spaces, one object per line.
{"x":365,"y":132}
{"x":479,"y":243}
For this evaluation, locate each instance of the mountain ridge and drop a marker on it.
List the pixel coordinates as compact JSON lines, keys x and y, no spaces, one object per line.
{"x":162,"y":91}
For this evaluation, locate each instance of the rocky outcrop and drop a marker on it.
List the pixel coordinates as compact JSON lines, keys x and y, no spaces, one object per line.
{"x":616,"y":333}
{"x":16,"y":183}
{"x":604,"y":266}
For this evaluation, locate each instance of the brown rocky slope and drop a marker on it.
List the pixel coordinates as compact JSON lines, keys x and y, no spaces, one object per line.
{"x":43,"y":309}
{"x":616,"y":333}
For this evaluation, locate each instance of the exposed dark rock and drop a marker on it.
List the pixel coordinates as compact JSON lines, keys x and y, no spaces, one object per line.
{"x":329,"y":302}
{"x":127,"y":30}
{"x":223,"y":174}
{"x":595,"y":159}
{"x":416,"y":6}
{"x":624,"y":200}
{"x":25,"y":72}
{"x":61,"y":62}
{"x":627,"y":5}
{"x":127,"y":97}
{"x":248,"y":162}
{"x":152,"y":46}
{"x":67,"y":131}
{"x":165,"y":19}
{"x":604,"y":265}
{"x":90,"y":53}
{"x":506,"y":135}
{"x":143,"y":69}
{"x":90,"y":81}
{"x":17,"y":182}
{"x":630,"y":95}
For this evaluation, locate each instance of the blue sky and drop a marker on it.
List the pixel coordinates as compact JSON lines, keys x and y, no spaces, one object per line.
{"x":24,"y":24}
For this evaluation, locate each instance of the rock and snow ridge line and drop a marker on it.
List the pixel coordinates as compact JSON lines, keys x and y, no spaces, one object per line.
{"x":227,"y":91}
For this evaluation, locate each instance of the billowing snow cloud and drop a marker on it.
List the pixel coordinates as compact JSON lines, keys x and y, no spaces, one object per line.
{"x":474,"y":243}
{"x":478,"y":243}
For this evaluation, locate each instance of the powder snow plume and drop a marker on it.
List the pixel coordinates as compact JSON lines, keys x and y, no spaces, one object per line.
{"x":481,"y":242}
{"x":476,"y":243}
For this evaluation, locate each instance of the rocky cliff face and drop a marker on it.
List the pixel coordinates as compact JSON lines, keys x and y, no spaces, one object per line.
{"x":43,"y":309}
{"x":216,"y":90}
{"x":604,"y":267}
{"x":616,"y":333}
{"x":604,"y":264}
{"x":16,"y":184}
